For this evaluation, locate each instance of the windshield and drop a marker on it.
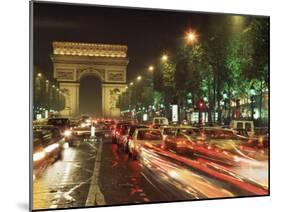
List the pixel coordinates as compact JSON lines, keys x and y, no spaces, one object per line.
{"x":169,"y":131}
{"x":149,"y":135}
{"x":219,"y":134}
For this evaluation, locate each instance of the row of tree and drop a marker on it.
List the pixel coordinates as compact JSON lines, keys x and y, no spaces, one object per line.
{"x":46,"y":95}
{"x":229,"y":59}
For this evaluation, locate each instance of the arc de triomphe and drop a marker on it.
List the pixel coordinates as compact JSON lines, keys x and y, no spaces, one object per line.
{"x":72,"y":61}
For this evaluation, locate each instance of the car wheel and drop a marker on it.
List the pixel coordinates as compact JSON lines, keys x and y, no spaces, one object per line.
{"x":130,"y":154}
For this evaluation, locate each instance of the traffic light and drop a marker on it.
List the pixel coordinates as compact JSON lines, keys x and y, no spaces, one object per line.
{"x":200,"y":104}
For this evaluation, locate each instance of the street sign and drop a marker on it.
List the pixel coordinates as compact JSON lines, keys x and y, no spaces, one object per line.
{"x":175,"y":113}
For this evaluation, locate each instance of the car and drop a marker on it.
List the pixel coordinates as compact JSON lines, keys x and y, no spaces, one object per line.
{"x":80,"y":132}
{"x":55,"y":131}
{"x":47,"y":148}
{"x":175,"y":137}
{"x":243,"y":124}
{"x":62,"y":123}
{"x":123,"y":132}
{"x":102,"y":129}
{"x":116,"y":130}
{"x":143,"y":136}
{"x":127,"y":138}
{"x":174,"y":130}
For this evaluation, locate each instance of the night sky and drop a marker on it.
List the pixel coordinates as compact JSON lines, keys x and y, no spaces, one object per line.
{"x":147,"y":33}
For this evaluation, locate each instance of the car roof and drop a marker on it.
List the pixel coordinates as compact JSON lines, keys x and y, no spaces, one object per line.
{"x":147,"y":129}
{"x":58,"y":118}
{"x":179,"y":127}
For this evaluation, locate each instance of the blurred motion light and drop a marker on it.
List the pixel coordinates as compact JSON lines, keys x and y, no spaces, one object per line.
{"x":38,"y":156}
{"x":51,"y":147}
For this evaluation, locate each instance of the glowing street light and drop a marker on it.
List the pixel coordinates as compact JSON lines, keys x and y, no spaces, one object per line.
{"x":131,"y":83}
{"x":139,"y":78}
{"x":39,"y":75}
{"x":150,"y":68}
{"x":191,"y":37}
{"x":164,"y":57}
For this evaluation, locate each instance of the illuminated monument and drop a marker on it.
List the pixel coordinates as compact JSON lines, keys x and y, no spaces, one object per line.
{"x":72,"y":61}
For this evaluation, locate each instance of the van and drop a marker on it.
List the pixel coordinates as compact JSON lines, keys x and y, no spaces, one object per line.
{"x":242,"y":124}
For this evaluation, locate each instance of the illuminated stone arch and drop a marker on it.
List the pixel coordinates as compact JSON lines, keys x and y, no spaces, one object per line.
{"x":72,"y":61}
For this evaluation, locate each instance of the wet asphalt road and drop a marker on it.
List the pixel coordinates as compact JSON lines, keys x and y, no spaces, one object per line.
{"x":92,"y":174}
{"x":96,"y":173}
{"x":122,"y":180}
{"x":65,"y":183}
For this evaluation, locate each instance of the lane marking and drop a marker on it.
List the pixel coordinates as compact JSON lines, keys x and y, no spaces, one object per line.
{"x":95,"y":196}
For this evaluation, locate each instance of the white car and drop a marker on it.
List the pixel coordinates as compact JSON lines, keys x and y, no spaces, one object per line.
{"x":144,"y":136}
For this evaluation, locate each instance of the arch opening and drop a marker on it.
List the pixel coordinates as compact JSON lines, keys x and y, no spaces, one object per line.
{"x":90,"y":95}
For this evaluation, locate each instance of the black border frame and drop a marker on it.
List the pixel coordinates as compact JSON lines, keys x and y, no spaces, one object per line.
{"x":31,"y":72}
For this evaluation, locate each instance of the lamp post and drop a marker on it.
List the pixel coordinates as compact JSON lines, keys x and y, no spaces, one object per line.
{"x":252,"y":93}
{"x":224,"y":96}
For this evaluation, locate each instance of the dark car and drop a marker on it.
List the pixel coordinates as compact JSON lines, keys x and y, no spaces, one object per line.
{"x":62,"y":123}
{"x":123,"y":132}
{"x":126,"y":139}
{"x":47,"y":147}
{"x":55,"y":131}
{"x":116,"y":130}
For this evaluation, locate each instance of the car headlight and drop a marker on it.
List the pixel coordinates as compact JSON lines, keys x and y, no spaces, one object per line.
{"x":67,"y":133}
{"x":38,"y":156}
{"x":51,"y":147}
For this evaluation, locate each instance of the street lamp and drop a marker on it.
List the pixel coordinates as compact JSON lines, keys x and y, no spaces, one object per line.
{"x":131,"y":83}
{"x":252,"y":93}
{"x":164,"y":57}
{"x":191,"y":37}
{"x":150,"y":68}
{"x":39,"y":75}
{"x":139,"y":78}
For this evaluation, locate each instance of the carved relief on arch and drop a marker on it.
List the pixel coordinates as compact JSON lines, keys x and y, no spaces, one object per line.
{"x":90,"y":71}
